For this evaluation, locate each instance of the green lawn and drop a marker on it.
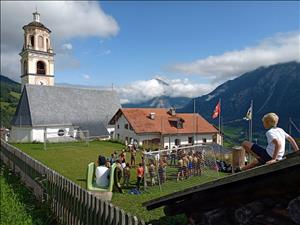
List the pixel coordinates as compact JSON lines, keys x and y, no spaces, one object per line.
{"x":71,"y":161}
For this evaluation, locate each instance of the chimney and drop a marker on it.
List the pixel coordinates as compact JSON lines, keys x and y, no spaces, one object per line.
{"x":172,"y":112}
{"x":152,"y":115}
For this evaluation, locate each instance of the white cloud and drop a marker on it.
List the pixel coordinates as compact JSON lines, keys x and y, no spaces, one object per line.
{"x":86,"y":76}
{"x":283,"y":47}
{"x":107,"y":52}
{"x":143,"y":90}
{"x":67,"y":46}
{"x":66,"y":20}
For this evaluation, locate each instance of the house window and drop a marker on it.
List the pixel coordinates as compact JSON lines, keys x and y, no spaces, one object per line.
{"x":191,"y":140}
{"x":126,"y":126}
{"x":40,"y":68}
{"x":215,"y":138}
{"x":118,"y":126}
{"x":130,"y":127}
{"x":177,"y":142}
{"x":118,"y":135}
{"x":204,"y":140}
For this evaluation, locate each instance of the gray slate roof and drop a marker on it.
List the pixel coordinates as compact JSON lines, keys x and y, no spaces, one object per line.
{"x":52,"y":105}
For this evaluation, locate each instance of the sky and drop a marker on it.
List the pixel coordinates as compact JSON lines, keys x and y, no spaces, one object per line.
{"x":147,"y":49}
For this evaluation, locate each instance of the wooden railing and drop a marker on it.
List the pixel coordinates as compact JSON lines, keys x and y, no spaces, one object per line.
{"x":70,"y":203}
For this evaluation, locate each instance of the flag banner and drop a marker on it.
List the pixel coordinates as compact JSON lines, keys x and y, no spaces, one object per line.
{"x":217,"y":111}
{"x":249,"y":114}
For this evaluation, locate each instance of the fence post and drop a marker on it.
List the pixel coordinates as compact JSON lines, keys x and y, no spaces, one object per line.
{"x":145,"y":171}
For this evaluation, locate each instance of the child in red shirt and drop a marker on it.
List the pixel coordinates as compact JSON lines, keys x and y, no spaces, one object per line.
{"x":140,"y":175}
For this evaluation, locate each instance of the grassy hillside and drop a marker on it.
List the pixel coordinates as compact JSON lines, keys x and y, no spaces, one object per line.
{"x":18,"y":205}
{"x":10,"y":95}
{"x":236,"y":135}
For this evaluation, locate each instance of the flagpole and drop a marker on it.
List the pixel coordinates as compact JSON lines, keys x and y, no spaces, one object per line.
{"x":250,"y":130}
{"x":220,"y":117}
{"x":194,"y":141}
{"x":290,"y":133}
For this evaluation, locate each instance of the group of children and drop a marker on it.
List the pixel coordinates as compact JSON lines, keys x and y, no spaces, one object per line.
{"x":189,"y":165}
{"x":122,"y":172}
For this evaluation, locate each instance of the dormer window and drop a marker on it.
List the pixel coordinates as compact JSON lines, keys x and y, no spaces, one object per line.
{"x":179,"y":124}
{"x":176,"y":122}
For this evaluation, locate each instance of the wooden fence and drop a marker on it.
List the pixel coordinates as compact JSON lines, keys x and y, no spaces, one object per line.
{"x":71,"y":204}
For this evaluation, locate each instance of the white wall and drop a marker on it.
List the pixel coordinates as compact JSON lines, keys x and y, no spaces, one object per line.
{"x":52,"y":132}
{"x":111,"y":131}
{"x":38,"y":134}
{"x":169,"y":140}
{"x":20,"y":134}
{"x":30,"y":134}
{"x":123,"y":133}
{"x":144,"y":137}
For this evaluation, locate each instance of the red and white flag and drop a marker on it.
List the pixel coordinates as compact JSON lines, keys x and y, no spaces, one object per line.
{"x":217,"y":111}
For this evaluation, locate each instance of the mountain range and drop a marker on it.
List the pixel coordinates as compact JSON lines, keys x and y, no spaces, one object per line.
{"x":160,"y":102}
{"x":274,"y":88}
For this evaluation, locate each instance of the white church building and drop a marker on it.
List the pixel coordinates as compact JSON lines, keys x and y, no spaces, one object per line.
{"x":47,"y":110}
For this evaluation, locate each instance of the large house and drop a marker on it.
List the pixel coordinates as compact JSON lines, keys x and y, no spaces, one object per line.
{"x":163,"y":127}
{"x":46,"y":111}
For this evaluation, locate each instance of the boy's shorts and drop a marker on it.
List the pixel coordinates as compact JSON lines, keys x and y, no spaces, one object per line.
{"x":261,"y":153}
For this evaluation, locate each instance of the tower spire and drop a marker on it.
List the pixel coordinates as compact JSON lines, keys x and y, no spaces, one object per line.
{"x":36,"y":15}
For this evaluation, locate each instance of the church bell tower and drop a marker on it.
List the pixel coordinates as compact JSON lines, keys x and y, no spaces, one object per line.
{"x":37,"y":57}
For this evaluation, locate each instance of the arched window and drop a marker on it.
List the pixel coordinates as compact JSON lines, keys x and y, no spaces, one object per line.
{"x":32,"y":40}
{"x":25,"y":67}
{"x":41,"y":42}
{"x":40,"y":68}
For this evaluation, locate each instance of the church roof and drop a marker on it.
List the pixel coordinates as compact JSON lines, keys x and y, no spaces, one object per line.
{"x":37,"y":24}
{"x":53,"y":105}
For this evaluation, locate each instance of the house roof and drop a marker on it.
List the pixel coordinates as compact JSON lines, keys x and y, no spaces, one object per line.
{"x":52,"y":105}
{"x":139,"y":119}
